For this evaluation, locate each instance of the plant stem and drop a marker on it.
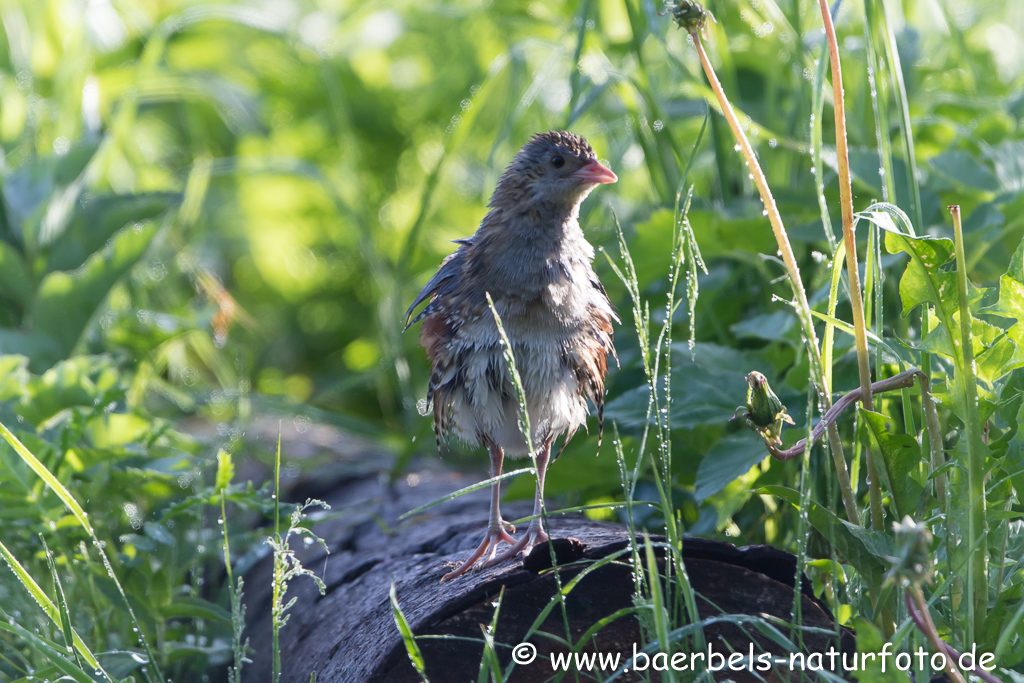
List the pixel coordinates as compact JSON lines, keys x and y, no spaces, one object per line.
{"x":977,"y":585}
{"x":917,"y":607}
{"x":792,"y":270}
{"x":850,"y":239}
{"x":279,"y":568}
{"x":934,"y":440}
{"x":845,"y":488}
{"x":904,"y":380}
{"x":922,"y":617}
{"x":774,"y":218}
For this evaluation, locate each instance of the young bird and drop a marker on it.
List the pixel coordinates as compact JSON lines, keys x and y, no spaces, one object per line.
{"x":530,"y":254}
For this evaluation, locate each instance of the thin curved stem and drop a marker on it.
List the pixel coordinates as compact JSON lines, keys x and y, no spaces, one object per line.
{"x":904,"y":380}
{"x":919,"y":614}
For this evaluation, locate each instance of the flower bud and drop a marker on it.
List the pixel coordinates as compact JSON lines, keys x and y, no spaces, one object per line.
{"x":689,"y":15}
{"x":764,"y":412}
{"x":913,"y":561}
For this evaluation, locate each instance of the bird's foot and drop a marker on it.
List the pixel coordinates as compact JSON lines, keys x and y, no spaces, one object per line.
{"x":535,"y":535}
{"x":492,"y":538}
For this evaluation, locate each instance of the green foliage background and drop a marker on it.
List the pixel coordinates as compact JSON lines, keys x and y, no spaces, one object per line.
{"x":215,"y":214}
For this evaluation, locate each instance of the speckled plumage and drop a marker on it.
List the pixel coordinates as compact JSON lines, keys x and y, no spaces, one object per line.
{"x":531,"y":256}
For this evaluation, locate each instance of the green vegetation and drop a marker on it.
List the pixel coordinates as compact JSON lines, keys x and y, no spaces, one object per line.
{"x":213,"y":216}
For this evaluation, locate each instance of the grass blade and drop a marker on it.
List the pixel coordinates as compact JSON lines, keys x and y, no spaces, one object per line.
{"x":408,"y":639}
{"x":51,"y":610}
{"x":463,"y":491}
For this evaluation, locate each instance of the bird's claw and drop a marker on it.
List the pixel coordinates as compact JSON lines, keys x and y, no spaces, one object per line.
{"x":535,"y":535}
{"x":492,"y":538}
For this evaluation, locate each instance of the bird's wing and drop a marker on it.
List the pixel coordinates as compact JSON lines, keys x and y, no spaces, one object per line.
{"x":445,"y":281}
{"x":596,"y":284}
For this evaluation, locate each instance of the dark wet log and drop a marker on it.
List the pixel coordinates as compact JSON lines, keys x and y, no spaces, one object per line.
{"x":350,"y":634}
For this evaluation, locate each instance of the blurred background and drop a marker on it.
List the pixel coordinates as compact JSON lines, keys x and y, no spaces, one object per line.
{"x":215,"y":216}
{"x":293,"y":172}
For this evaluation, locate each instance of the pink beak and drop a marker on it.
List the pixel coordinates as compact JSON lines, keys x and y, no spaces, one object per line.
{"x":595,"y":174}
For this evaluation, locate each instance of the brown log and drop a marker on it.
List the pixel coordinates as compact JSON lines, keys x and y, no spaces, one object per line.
{"x":349,"y":635}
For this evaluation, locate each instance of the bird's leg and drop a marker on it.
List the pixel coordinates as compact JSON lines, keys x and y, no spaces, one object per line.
{"x":496,"y":526}
{"x":535,"y":534}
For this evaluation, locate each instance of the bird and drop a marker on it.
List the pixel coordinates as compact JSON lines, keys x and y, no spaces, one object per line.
{"x":531,"y":257}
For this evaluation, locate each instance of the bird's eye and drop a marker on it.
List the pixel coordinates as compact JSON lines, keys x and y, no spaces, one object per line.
{"x":557,"y":161}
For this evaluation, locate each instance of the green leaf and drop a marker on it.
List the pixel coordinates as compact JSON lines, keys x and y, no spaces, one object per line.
{"x":111,"y":430}
{"x":901,"y":455}
{"x":729,"y":458}
{"x":870,"y":641}
{"x":1008,"y":158}
{"x":922,"y":282}
{"x":962,"y":168}
{"x":15,"y":278}
{"x":97,"y":219}
{"x":408,"y":639}
{"x":66,"y":302}
{"x":39,"y":190}
{"x":866,"y":550}
{"x":1011,"y":305}
{"x":72,"y":383}
{"x":772,"y":326}
{"x":44,"y":601}
{"x":47,"y":476}
{"x":13,"y":374}
{"x":188,"y":607}
{"x":925,"y":282}
{"x":706,"y":389}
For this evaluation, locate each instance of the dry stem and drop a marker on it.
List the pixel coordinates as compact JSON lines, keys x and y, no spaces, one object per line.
{"x":793,"y":271}
{"x":850,"y":239}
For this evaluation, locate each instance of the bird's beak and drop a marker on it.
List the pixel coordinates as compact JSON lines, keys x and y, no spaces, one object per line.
{"x":595,"y":173}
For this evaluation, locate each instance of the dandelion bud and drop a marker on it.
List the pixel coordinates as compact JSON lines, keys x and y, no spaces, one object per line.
{"x":913,"y":562}
{"x":764,"y":411}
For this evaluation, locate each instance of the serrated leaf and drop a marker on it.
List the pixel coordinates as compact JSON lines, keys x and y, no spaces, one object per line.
{"x":901,"y":455}
{"x":866,"y":550}
{"x":923,"y":282}
{"x":1011,"y":305}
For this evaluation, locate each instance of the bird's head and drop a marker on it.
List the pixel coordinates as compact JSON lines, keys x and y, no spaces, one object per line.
{"x":557,"y":168}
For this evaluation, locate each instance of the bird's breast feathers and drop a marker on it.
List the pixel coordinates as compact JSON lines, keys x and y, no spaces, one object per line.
{"x":555,"y":313}
{"x":561,"y":340}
